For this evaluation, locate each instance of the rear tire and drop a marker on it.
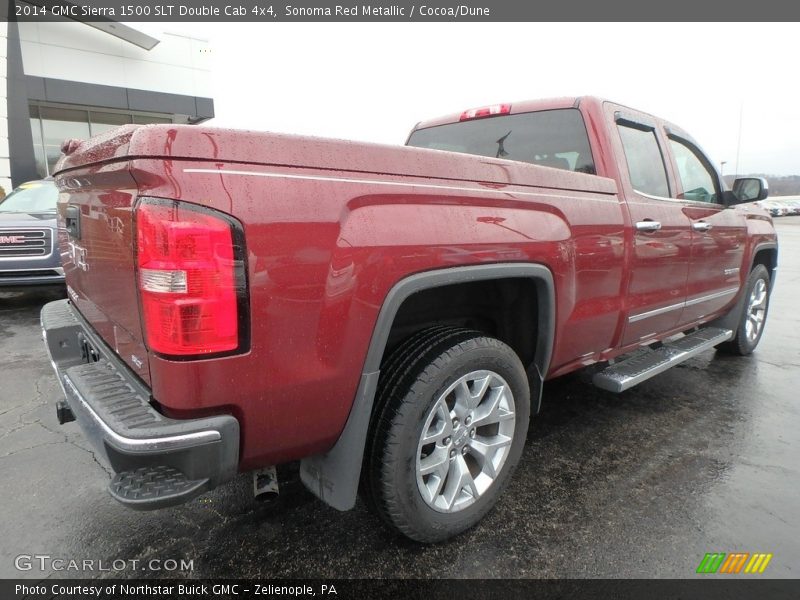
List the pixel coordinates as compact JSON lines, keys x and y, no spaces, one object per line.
{"x":392,"y":371}
{"x":454,"y":410}
{"x":754,"y":315}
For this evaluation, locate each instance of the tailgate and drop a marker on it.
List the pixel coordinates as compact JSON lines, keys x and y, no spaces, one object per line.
{"x":96,"y":238}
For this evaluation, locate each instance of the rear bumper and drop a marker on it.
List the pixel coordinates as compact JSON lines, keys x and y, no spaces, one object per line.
{"x":158,"y":461}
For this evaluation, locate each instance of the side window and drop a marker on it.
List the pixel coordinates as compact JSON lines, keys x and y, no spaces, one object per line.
{"x":645,"y":163}
{"x":697,"y":179}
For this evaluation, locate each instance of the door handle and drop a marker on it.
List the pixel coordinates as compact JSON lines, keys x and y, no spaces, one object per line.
{"x":648,"y":226}
{"x":701,"y":226}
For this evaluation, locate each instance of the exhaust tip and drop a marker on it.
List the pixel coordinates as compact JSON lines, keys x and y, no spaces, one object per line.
{"x":265,"y":483}
{"x":64,"y":413}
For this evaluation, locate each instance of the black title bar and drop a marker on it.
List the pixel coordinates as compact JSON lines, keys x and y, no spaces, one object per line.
{"x":242,"y":11}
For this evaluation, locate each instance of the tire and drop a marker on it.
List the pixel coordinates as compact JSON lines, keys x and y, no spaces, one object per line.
{"x":467,"y":394}
{"x":754,"y":314}
{"x":392,"y":370}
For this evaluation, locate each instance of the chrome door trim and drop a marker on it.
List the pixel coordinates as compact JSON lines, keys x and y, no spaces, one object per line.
{"x":720,"y":294}
{"x":655,"y":312}
{"x":690,"y":302}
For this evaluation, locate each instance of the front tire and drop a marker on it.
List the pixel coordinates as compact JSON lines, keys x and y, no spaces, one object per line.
{"x":754,"y":316}
{"x":452,"y":429}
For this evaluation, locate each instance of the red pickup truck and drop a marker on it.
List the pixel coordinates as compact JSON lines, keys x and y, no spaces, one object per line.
{"x":386,"y":315}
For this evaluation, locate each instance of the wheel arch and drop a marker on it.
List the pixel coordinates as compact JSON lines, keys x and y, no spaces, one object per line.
{"x":334,"y":476}
{"x":766,"y":254}
{"x":763,"y":254}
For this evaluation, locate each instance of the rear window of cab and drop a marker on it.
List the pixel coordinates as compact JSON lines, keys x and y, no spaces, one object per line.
{"x":550,"y":138}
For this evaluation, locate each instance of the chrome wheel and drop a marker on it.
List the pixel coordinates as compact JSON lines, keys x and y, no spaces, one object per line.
{"x":465,"y":440}
{"x":756,"y":310}
{"x":454,"y":411}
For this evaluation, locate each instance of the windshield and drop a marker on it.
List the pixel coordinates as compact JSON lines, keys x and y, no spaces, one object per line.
{"x":34,"y":197}
{"x":550,"y":138}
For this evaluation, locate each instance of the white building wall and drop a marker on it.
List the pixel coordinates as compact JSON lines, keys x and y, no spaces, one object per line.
{"x":5,"y":165}
{"x":73,"y":51}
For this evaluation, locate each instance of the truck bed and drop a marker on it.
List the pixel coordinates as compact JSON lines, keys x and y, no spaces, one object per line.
{"x":329,"y":227}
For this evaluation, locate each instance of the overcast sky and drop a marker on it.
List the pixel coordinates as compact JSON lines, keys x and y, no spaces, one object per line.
{"x":373,"y":82}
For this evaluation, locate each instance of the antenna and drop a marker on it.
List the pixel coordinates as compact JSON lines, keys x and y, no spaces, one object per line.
{"x":739,"y":142}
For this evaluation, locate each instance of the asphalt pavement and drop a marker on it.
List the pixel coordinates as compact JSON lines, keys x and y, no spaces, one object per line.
{"x":703,"y":458}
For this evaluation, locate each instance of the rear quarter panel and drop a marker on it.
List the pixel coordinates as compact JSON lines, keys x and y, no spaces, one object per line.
{"x":323,"y":250}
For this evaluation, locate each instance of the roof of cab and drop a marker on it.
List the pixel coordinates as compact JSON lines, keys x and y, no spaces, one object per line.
{"x":516,"y":107}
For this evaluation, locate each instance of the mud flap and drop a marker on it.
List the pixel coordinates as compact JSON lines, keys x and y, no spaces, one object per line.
{"x":333,"y":477}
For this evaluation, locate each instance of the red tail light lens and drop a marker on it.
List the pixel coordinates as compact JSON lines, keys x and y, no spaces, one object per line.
{"x":191,"y":278}
{"x":486,"y":111}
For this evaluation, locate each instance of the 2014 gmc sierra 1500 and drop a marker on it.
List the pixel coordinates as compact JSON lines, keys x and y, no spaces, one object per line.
{"x":386,"y":315}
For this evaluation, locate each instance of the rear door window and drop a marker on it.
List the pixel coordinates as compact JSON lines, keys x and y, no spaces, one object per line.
{"x":550,"y":138}
{"x":645,"y":162}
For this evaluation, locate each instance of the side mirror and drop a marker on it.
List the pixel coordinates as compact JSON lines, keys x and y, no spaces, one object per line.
{"x":749,"y":189}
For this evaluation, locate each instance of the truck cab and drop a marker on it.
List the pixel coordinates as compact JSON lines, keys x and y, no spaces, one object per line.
{"x":687,"y":244}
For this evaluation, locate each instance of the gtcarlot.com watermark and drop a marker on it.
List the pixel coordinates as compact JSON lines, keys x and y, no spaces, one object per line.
{"x":45,"y":562}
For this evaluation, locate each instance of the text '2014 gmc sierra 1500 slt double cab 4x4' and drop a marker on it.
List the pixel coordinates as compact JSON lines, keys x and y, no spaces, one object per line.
{"x":385,"y":315}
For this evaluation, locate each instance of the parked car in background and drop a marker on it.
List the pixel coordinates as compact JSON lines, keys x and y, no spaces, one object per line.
{"x":793,"y":206}
{"x":28,"y":253}
{"x":774,"y":209}
{"x":781,"y":206}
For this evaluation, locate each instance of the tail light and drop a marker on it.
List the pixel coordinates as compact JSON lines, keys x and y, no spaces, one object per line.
{"x":486,"y":111}
{"x":191,"y":277}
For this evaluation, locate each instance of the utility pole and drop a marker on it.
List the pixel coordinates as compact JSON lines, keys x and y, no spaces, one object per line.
{"x":739,"y":143}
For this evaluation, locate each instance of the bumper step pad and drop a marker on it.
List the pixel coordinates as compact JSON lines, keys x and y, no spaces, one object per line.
{"x":154,"y":487}
{"x":646,"y":363}
{"x":160,"y":461}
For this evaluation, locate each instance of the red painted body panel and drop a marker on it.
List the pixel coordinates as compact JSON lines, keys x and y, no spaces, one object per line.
{"x":324,"y":252}
{"x":330,"y":227}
